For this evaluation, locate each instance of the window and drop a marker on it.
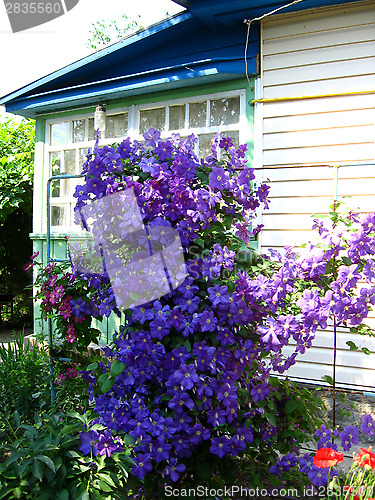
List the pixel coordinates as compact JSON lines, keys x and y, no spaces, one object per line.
{"x":204,"y":116}
{"x":68,"y":140}
{"x":67,"y":145}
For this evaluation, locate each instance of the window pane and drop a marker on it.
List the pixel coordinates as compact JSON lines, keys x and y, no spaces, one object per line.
{"x":225,"y":111}
{"x":154,"y":118}
{"x":74,"y":216}
{"x":78,"y":130}
{"x":55,"y":169}
{"x":205,"y":143}
{"x":176,"y":117}
{"x":91,"y":132}
{"x":60,"y":133}
{"x":70,"y":161}
{"x":82,"y":158}
{"x":117,"y":126}
{"x":57,"y":215}
{"x":234,"y":135}
{"x":197,"y":114}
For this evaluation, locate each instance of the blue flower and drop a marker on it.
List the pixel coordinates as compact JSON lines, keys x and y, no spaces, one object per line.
{"x":367,"y":426}
{"x":324,"y":434}
{"x":89,"y":442}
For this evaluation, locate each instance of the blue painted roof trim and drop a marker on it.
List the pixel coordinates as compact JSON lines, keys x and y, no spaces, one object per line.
{"x":100,"y":54}
{"x":183,"y":54}
{"x":167,"y":79}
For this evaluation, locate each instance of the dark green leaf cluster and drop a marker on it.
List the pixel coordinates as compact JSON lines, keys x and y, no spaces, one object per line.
{"x":24,"y":384}
{"x":44,"y":462}
{"x":16,"y":178}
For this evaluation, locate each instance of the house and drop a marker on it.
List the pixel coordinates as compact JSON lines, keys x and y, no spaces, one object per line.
{"x":303,"y":99}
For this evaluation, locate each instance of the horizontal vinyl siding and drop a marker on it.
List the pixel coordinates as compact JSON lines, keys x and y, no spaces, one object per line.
{"x":309,"y":54}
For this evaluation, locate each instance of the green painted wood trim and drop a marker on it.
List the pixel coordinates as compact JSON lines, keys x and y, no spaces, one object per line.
{"x":156,"y":97}
{"x":39,"y":195}
{"x":60,"y":236}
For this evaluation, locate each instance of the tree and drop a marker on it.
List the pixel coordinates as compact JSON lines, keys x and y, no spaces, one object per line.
{"x":16,"y":177}
{"x":108,"y":31}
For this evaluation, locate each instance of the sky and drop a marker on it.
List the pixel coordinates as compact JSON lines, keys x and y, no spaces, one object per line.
{"x":31,"y":54}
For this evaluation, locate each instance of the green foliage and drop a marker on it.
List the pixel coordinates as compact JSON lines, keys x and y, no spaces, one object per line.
{"x":16,"y":166}
{"x":24,"y":380}
{"x":44,"y":462}
{"x":109,"y":31}
{"x":16,"y":176}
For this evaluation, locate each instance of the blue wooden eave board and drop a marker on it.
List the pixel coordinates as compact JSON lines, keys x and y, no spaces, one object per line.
{"x":205,"y":72}
{"x":226,"y":13}
{"x":180,"y":48}
{"x":253,"y":8}
{"x":97,"y":57}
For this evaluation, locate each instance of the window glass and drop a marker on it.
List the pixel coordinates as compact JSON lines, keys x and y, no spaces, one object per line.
{"x":197,"y":114}
{"x":82,"y":158}
{"x":57,"y":215}
{"x":224,"y":111}
{"x":205,"y":143}
{"x":117,"y":126}
{"x":176,"y":117}
{"x":234,"y":135}
{"x":154,"y":118}
{"x":70,"y":161}
{"x":60,"y":133}
{"x":78,"y":130}
{"x":91,"y":131}
{"x":55,"y":169}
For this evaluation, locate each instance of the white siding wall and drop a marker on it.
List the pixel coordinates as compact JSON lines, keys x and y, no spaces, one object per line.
{"x":324,"y":51}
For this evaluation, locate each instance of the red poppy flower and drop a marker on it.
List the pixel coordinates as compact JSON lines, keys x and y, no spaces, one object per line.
{"x":327,"y":457}
{"x":365,"y":457}
{"x":350,"y":490}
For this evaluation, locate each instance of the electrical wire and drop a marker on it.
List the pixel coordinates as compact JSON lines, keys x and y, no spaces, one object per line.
{"x":250,"y":21}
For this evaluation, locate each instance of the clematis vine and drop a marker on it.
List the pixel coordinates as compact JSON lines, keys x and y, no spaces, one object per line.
{"x":192,"y":373}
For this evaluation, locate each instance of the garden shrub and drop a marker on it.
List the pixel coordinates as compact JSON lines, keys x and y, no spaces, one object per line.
{"x":190,"y":376}
{"x":17,"y":143}
{"x":44,"y":461}
{"x":24,"y":381}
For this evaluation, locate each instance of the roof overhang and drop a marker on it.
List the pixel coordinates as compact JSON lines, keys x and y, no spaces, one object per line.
{"x":205,"y":72}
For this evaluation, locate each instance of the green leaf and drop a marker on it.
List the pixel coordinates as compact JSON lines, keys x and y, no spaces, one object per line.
{"x":14,"y":456}
{"x":204,"y":471}
{"x":107,"y":385}
{"x":4,"y":491}
{"x":92,"y":366}
{"x":199,"y":242}
{"x":228,"y":220}
{"x":128,"y":440}
{"x":106,"y":478}
{"x":366,"y":351}
{"x":37,"y":470}
{"x":271,"y":419}
{"x":116,"y":368}
{"x":17,"y":493}
{"x":352,"y":345}
{"x":63,"y":495}
{"x":328,"y":379}
{"x":47,"y":461}
{"x":188,"y":346}
{"x":104,"y":486}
